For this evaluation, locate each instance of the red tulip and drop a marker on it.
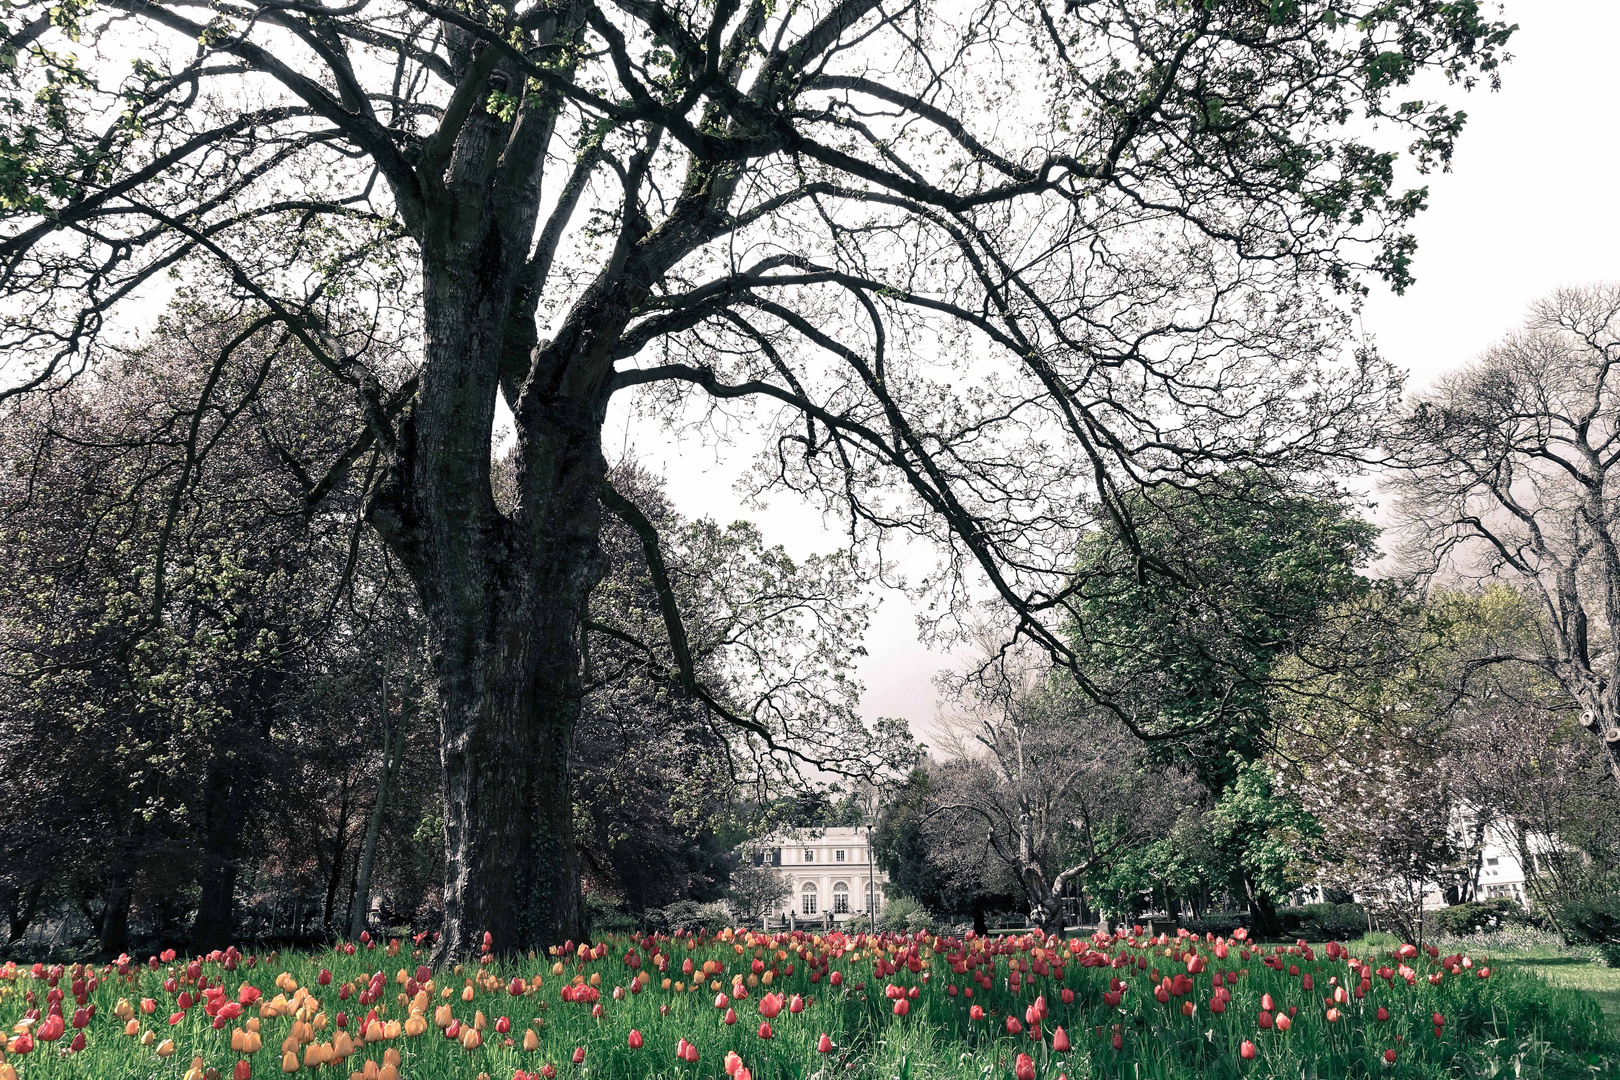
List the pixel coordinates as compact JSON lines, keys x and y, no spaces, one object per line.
{"x":635,"y":1039}
{"x":324,"y":978}
{"x":503,"y":1025}
{"x":765,"y":1031}
{"x":976,"y":1013}
{"x":1119,"y":1040}
{"x":825,"y":1045}
{"x":1024,"y":1068}
{"x":1246,"y":1051}
{"x":730,"y":1017}
{"x":579,"y":1055}
{"x":1383,"y":1013}
{"x":1013,"y":1026}
{"x":1284,"y":1022}
{"x":243,"y":1071}
{"x":548,"y":1070}
{"x":1060,"y":1041}
{"x":1389,"y":1056}
{"x":902,"y":1007}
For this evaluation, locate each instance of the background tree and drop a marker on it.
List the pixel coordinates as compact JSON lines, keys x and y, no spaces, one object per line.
{"x":1049,"y":786}
{"x":825,"y":209}
{"x":1504,"y":473}
{"x":1266,"y":592}
{"x":755,"y":891}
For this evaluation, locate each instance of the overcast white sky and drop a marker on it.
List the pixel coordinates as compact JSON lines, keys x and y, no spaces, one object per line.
{"x":1532,"y":203}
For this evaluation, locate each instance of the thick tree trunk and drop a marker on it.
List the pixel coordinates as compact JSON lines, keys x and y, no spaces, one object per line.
{"x":509,"y":715}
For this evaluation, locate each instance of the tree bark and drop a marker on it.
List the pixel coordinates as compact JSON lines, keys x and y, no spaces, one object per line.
{"x":393,"y":753}
{"x":216,"y":876}
{"x":1262,"y":912}
{"x":20,"y":910}
{"x":114,"y":936}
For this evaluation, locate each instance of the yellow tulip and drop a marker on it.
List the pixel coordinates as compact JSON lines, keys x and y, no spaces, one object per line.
{"x":289,"y":1063}
{"x":391,"y":1029}
{"x":467,"y":992}
{"x":147,"y":1038}
{"x":132,"y":1028}
{"x":531,"y":1041}
{"x":165,"y":1048}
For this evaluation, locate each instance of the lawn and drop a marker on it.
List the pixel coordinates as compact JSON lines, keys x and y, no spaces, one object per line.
{"x":800,"y":1006}
{"x":1579,"y":973}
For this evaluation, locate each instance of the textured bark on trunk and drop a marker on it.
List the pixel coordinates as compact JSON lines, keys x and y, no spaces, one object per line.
{"x":221,"y":857}
{"x":115,"y":910}
{"x":393,"y":753}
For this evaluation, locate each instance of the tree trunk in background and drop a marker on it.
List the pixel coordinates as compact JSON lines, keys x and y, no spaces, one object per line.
{"x":20,"y":909}
{"x":216,"y":875}
{"x":339,"y":849}
{"x":1263,"y":918}
{"x":120,"y":893}
{"x":239,"y":750}
{"x":393,"y":753}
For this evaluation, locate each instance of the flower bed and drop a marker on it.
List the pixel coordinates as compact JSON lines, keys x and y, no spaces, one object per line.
{"x":800,"y":1005}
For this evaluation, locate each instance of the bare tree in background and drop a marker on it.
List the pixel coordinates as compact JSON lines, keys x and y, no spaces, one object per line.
{"x":1510,"y":470}
{"x":1046,"y":784}
{"x":977,"y":272}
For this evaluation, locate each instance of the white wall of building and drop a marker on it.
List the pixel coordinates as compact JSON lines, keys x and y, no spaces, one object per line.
{"x":826,"y":871}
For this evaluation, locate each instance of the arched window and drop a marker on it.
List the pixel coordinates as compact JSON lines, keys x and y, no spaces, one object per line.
{"x":840,"y":898}
{"x":807,"y":903}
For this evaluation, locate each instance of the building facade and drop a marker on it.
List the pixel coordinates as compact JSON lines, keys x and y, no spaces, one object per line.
{"x":829,"y":874}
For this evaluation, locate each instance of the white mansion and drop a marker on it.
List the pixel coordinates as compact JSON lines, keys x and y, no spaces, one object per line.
{"x":829,"y":873}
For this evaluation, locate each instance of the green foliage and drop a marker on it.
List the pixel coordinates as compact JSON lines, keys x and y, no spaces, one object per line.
{"x":1271,"y":836}
{"x":902,"y":914}
{"x":1187,"y":619}
{"x":1475,"y":917}
{"x":1590,"y":915}
{"x":1334,"y":922}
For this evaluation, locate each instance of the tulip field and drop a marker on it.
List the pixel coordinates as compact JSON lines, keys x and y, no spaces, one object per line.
{"x":795,"y":1005}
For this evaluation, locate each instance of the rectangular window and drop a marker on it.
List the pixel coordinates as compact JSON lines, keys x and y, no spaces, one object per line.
{"x":809,"y":903}
{"x":840,"y":902}
{"x":838,"y":856}
{"x":1492,"y":862}
{"x":809,"y":856}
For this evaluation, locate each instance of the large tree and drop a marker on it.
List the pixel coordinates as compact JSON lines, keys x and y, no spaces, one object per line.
{"x":1509,"y":471}
{"x":981,"y":270}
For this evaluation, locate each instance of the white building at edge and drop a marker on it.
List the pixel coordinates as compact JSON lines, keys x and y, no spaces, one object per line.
{"x":829,"y":873}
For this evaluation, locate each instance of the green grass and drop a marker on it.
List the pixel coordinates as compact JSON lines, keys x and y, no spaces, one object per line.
{"x":1580,"y":973}
{"x":1511,"y":1022}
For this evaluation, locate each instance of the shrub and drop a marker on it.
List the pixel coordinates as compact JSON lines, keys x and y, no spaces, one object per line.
{"x":1461,"y":920}
{"x":903,"y":914}
{"x":1591,"y":916}
{"x":1215,"y":923}
{"x":604,"y":917}
{"x":1333,"y":921}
